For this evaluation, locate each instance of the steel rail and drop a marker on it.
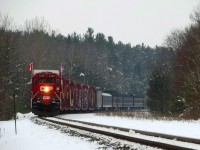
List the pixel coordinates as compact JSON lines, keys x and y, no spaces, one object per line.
{"x":122,"y":137}
{"x":167,"y":136}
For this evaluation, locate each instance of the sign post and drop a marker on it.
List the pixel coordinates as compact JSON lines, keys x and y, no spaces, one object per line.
{"x":15,"y":114}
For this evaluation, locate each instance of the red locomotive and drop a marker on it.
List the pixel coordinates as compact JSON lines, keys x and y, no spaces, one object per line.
{"x":51,"y":94}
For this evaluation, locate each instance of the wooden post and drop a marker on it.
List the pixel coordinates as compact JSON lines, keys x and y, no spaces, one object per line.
{"x":15,"y":114}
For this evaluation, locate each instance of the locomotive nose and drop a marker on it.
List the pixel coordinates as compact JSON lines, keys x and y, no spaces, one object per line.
{"x":46,"y":94}
{"x":46,"y":99}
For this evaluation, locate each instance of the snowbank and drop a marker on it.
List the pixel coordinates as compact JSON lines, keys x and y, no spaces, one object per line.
{"x":35,"y":137}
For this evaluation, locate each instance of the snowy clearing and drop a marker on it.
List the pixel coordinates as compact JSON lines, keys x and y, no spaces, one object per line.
{"x":32,"y":136}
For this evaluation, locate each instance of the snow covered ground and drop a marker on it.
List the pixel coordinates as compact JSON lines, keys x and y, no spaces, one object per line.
{"x":180,"y":128}
{"x":32,"y":136}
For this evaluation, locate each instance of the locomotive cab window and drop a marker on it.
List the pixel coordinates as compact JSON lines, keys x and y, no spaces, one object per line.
{"x":34,"y":81}
{"x":46,"y":79}
{"x":57,"y":81}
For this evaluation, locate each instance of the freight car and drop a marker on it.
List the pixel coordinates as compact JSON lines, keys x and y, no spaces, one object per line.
{"x":51,"y":94}
{"x":116,"y":101}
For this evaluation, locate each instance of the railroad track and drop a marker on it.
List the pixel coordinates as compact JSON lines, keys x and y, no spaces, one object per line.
{"x":167,"y":136}
{"x":163,"y":141}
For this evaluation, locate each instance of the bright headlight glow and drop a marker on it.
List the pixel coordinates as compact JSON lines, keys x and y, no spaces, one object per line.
{"x":46,"y":89}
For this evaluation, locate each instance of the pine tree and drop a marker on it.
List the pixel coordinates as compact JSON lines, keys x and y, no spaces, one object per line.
{"x":159,"y":92}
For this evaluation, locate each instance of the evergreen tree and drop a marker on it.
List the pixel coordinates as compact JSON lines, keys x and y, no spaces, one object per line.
{"x":159,"y":92}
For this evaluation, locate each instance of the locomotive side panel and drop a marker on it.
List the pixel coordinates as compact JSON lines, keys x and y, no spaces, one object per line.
{"x":71,"y":95}
{"x":77,"y":95}
{"x":84,"y":96}
{"x":65,"y":95}
{"x":91,"y":98}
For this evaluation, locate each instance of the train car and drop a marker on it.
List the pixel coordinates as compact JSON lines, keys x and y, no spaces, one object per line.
{"x":99,"y":100}
{"x":46,"y":92}
{"x":123,"y":101}
{"x":128,"y":101}
{"x":139,"y":102}
{"x":92,"y":98}
{"x":114,"y":101}
{"x":52,"y":94}
{"x":77,"y":97}
{"x":106,"y":101}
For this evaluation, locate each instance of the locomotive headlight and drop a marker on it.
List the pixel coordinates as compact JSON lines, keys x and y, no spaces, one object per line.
{"x":46,"y":89}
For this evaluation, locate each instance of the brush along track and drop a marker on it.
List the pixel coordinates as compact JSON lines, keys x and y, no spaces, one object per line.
{"x":123,"y":134}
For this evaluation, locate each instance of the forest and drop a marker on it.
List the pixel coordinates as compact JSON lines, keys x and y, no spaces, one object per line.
{"x":167,"y":76}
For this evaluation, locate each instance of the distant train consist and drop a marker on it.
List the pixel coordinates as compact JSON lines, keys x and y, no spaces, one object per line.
{"x":51,"y":94}
{"x":110,"y":100}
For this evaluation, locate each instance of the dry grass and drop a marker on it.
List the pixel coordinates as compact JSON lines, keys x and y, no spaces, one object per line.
{"x":140,"y":115}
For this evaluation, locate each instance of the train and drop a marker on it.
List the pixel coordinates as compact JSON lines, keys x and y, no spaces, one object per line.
{"x":51,"y":94}
{"x":110,"y":100}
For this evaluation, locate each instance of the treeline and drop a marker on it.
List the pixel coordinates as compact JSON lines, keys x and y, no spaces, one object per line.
{"x":179,"y":93}
{"x":186,"y":81}
{"x":89,"y":58}
{"x":168,"y":77}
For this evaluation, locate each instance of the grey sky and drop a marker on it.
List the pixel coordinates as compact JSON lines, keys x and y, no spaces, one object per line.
{"x":129,"y":21}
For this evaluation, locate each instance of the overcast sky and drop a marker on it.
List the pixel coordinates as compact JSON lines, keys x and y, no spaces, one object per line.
{"x":129,"y":21}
